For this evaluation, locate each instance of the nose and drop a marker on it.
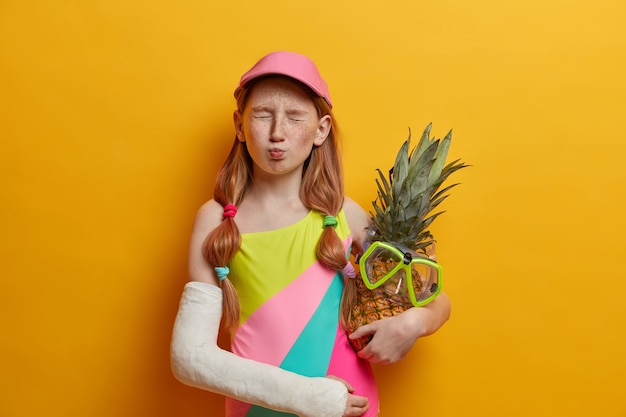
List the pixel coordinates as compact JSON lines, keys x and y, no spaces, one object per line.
{"x":278,"y":131}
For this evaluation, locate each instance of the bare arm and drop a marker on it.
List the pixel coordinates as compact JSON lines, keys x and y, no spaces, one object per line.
{"x":358,"y":220}
{"x":209,"y":216}
{"x":394,"y":336}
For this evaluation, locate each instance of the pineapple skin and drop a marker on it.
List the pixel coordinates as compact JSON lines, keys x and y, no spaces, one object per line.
{"x":372,"y":305}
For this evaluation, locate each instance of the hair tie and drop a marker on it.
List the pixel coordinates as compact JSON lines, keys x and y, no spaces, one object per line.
{"x":349,"y":271}
{"x":330,"y":221}
{"x":222,"y":272}
{"x":229,"y":211}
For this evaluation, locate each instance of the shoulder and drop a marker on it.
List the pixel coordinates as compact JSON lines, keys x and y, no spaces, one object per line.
{"x":210,"y":209}
{"x":353,"y":210}
{"x":358,"y":220}
{"x":208,"y":217}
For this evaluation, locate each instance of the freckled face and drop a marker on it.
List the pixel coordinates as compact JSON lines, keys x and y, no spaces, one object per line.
{"x":280,"y":126}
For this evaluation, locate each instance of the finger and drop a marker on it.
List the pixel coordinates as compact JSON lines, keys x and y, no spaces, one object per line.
{"x":362,"y":331}
{"x":358,"y":401}
{"x":349,"y":386}
{"x":369,"y":355}
{"x":346,"y":383}
{"x":365,"y":353}
{"x":355,"y":411}
{"x":373,"y":359}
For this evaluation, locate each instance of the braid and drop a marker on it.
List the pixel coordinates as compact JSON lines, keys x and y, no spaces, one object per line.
{"x":322,"y":190}
{"x":224,"y":241}
{"x":218,"y":249}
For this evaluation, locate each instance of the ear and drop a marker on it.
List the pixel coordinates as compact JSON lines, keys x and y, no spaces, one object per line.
{"x":237,"y":120}
{"x":323,"y":130}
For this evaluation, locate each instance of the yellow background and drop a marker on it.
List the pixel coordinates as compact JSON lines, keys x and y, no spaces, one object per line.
{"x":115,"y":116}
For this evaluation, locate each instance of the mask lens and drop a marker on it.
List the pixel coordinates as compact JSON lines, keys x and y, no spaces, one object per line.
{"x":396,"y":287}
{"x":425,"y":280}
{"x":380,"y":262}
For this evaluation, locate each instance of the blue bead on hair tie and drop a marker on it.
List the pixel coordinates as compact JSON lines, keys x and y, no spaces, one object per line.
{"x":222,"y":272}
{"x":330,"y":221}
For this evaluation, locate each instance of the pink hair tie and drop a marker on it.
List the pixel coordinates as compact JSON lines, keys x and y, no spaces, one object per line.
{"x":229,"y":211}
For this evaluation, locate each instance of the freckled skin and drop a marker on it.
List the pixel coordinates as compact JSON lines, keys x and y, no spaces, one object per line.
{"x":280,"y":126}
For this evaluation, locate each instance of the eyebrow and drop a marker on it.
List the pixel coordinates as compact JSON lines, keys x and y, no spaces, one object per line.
{"x":263,"y":108}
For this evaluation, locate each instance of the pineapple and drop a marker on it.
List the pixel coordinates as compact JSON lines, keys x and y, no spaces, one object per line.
{"x":402,"y":215}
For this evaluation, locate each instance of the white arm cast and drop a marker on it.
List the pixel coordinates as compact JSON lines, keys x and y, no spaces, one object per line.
{"x":198,"y":361}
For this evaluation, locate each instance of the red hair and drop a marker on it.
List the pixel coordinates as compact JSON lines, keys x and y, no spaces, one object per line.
{"x":322,"y":190}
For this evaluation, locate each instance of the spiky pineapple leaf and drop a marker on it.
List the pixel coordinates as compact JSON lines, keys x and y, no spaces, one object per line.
{"x":403,"y":209}
{"x":383,"y":190}
{"x":441,"y":195}
{"x":400,"y":168}
{"x":423,"y":142}
{"x":440,"y":158}
{"x":415,"y":181}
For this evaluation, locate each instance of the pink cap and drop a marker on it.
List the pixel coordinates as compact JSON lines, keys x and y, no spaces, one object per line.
{"x":290,"y":64}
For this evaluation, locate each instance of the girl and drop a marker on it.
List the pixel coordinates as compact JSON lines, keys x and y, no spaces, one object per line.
{"x":268,"y":256}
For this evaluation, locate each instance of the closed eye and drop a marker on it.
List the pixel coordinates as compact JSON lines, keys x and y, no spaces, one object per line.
{"x":261,"y":115}
{"x":297,"y":115}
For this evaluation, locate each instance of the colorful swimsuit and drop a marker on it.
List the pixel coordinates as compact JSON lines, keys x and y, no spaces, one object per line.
{"x":290,"y":310}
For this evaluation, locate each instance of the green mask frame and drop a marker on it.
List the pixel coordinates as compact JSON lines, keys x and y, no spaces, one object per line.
{"x":402,"y":270}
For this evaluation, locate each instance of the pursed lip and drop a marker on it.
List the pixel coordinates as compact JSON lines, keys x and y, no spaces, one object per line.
{"x":276,"y":153}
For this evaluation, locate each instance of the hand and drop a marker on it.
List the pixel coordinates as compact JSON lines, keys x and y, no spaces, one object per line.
{"x":356,"y":405}
{"x":393,"y":337}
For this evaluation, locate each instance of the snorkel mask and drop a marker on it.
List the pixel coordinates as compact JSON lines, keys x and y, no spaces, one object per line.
{"x":403,"y":273}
